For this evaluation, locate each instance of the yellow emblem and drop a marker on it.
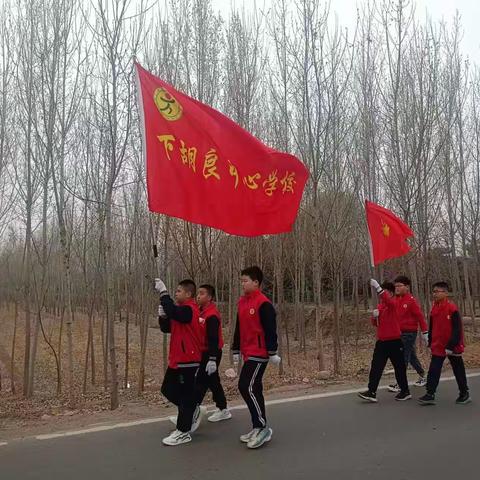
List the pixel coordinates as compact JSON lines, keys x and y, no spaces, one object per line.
{"x":385,"y":230}
{"x":167,"y":105}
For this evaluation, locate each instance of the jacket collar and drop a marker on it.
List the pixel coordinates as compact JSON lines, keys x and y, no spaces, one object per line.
{"x":253,"y":294}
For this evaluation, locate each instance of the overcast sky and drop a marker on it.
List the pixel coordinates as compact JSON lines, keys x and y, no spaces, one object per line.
{"x":437,"y":10}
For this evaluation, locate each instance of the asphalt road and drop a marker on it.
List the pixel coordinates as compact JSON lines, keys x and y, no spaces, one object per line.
{"x":334,"y":438}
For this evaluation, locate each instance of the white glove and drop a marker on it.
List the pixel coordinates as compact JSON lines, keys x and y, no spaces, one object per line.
{"x":448,"y":352}
{"x":160,"y":287}
{"x":275,"y":359}
{"x":425,"y":338}
{"x":376,"y":313}
{"x":211,"y":367}
{"x":236,"y":358}
{"x":161,"y":312}
{"x":375,"y":285}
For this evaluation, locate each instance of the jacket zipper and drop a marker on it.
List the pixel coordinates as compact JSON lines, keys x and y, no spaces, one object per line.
{"x":183,"y":347}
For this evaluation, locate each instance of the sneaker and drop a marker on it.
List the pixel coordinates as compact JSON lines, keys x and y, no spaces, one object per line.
{"x":368,"y":395}
{"x":198,"y":417}
{"x":262,"y":436}
{"x":248,"y":436}
{"x":177,"y":438}
{"x":173,"y":419}
{"x":393,"y":388}
{"x":427,"y":399}
{"x":402,"y":396}
{"x":421,"y":382}
{"x":220,"y":415}
{"x":463,"y":399}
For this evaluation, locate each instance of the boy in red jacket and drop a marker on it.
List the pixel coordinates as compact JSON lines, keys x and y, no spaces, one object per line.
{"x":445,"y":339}
{"x":211,"y":346}
{"x":256,"y":339}
{"x":389,"y":345}
{"x":180,"y":319}
{"x":410,"y":318}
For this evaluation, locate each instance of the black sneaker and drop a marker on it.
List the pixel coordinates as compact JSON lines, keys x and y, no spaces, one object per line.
{"x":463,"y":399}
{"x":427,"y":399}
{"x":402,"y":396}
{"x":369,"y":396}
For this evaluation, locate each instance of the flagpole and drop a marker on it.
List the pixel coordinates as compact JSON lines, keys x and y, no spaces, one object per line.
{"x":141,"y":115}
{"x":370,"y":246}
{"x":159,"y":272}
{"x":370,"y":251}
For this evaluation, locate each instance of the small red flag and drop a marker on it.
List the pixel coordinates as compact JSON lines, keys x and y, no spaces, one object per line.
{"x":204,"y":168}
{"x":388,"y":234}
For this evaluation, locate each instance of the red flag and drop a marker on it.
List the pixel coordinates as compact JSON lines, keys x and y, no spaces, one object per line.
{"x":388,"y":234}
{"x":204,"y":168}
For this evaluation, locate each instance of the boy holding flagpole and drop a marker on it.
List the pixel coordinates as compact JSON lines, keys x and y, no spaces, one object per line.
{"x":388,"y":345}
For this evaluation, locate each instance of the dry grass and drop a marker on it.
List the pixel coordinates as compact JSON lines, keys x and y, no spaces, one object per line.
{"x":300,"y":369}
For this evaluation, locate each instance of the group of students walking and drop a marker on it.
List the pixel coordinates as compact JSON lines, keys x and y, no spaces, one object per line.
{"x":398,"y":319}
{"x":196,"y":343}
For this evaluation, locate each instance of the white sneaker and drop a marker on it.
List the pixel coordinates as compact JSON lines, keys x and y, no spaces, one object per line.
{"x":177,"y":438}
{"x":248,"y":436}
{"x":394,"y":388}
{"x":262,"y":436}
{"x":421,"y":382}
{"x":197,"y":418}
{"x":173,"y":419}
{"x":220,"y":415}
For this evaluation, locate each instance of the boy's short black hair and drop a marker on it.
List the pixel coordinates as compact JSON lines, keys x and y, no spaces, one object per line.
{"x":189,"y":286}
{"x":403,"y":279}
{"x":255,"y":273}
{"x":442,"y":285}
{"x":388,"y":286}
{"x":209,"y":288}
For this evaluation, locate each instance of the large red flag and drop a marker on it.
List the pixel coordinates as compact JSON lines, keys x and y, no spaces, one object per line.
{"x":388,"y":234}
{"x":204,"y":168}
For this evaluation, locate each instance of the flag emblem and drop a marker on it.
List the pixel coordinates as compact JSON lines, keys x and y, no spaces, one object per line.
{"x":167,"y":105}
{"x":385,"y":230}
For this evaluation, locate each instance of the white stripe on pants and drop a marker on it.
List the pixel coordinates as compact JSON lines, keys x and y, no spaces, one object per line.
{"x":252,"y":396}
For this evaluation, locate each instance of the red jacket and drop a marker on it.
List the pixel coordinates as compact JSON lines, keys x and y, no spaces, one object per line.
{"x":446,"y":330}
{"x":251,"y":331}
{"x":387,"y":321}
{"x":409,"y":313}
{"x":209,"y":311}
{"x":185,"y":340}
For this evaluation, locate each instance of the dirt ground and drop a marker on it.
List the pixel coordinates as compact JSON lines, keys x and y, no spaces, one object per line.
{"x":46,"y":407}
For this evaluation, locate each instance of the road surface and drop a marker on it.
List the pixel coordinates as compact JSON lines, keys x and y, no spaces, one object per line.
{"x":336,"y":437}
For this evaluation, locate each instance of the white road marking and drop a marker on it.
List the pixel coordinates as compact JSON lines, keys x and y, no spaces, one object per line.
{"x":3,"y":444}
{"x":102,"y":428}
{"x":279,"y":401}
